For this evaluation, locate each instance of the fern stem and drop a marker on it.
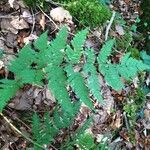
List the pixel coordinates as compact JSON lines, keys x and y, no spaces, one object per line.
{"x":19,"y":132}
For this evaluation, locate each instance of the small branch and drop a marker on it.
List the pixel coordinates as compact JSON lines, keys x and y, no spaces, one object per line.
{"x":109,"y":25}
{"x":33,"y":24}
{"x":126,"y":121}
{"x":48,"y":17}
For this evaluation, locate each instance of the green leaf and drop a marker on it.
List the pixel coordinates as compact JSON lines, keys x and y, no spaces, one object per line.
{"x":41,"y":42}
{"x":8,"y":89}
{"x":113,"y":79}
{"x":78,"y":85}
{"x":57,"y":84}
{"x":74,"y":55}
{"x":92,"y":76}
{"x":105,"y":52}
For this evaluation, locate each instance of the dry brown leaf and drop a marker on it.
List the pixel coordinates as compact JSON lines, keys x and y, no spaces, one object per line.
{"x":117,"y":121}
{"x":42,"y":22}
{"x":119,"y":29}
{"x":18,"y":23}
{"x":6,"y":26}
{"x":27,"y":16}
{"x":60,"y":14}
{"x":11,"y":3}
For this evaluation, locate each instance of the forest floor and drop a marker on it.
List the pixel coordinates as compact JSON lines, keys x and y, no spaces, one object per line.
{"x":124,"y":122}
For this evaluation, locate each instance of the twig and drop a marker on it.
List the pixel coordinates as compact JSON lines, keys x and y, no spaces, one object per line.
{"x":48,"y":17}
{"x":109,"y":25}
{"x":33,"y":24}
{"x":126,"y":121}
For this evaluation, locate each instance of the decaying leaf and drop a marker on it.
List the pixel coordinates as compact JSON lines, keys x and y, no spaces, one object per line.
{"x":119,"y":29}
{"x":42,"y":21}
{"x":60,"y":14}
{"x":1,"y":64}
{"x":11,"y":3}
{"x":18,"y":23}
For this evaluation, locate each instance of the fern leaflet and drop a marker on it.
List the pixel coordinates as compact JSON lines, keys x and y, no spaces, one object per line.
{"x":8,"y":89}
{"x":77,"y":44}
{"x":92,"y":76}
{"x":77,"y":83}
{"x":57,"y":83}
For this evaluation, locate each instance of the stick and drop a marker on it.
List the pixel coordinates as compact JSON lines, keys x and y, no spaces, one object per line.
{"x":109,"y":25}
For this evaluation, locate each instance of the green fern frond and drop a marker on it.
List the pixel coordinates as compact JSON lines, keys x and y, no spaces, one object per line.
{"x":31,"y":76}
{"x":42,"y":42}
{"x":57,"y":84}
{"x":25,"y":58}
{"x":78,"y":85}
{"x":54,"y":52}
{"x":36,"y":127}
{"x":128,"y":67}
{"x":112,"y":77}
{"x":105,"y":52}
{"x":92,"y":76}
{"x":86,"y":142}
{"x":8,"y":89}
{"x":74,"y":54}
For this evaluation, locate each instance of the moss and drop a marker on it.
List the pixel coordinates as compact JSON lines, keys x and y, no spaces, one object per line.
{"x":89,"y":13}
{"x":135,"y":53}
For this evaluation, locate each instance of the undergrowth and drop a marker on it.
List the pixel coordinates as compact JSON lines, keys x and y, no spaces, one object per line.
{"x":60,"y":65}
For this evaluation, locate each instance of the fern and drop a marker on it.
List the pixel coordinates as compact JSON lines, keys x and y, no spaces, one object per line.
{"x":113,"y":73}
{"x":92,"y":76}
{"x":77,"y":44}
{"x":57,"y":83}
{"x":52,"y":62}
{"x":8,"y":89}
{"x":77,"y":83}
{"x":44,"y":133}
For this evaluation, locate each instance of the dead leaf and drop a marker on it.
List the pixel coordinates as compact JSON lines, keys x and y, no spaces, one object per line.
{"x":18,"y":23}
{"x":1,"y":64}
{"x":60,"y":14}
{"x":6,"y":26}
{"x":117,"y":121}
{"x":30,"y":38}
{"x":42,"y":22}
{"x":27,"y":16}
{"x":119,"y":29}
{"x":11,"y":3}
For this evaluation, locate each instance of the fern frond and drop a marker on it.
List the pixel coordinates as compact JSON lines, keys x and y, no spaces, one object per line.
{"x":54,"y":52}
{"x":49,"y":130}
{"x":8,"y":89}
{"x":92,"y":76}
{"x":25,"y":58}
{"x":42,"y":42}
{"x":77,"y":83}
{"x":129,"y":67}
{"x":57,"y":84}
{"x":112,"y":77}
{"x":86,"y":142}
{"x":105,"y":52}
{"x":77,"y":43}
{"x":31,"y":76}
